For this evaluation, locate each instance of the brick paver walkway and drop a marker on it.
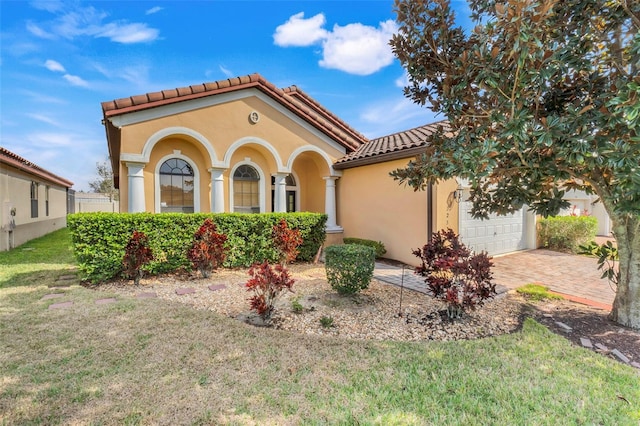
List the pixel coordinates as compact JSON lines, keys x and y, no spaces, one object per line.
{"x":569,"y":274}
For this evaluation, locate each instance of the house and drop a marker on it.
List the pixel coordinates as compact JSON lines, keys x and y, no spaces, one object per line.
{"x":35,"y":202}
{"x":244,"y":145}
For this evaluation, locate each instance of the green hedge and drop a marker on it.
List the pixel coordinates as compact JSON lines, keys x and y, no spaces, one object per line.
{"x":567,"y":233}
{"x":99,"y":238}
{"x":378,"y":246}
{"x":349,"y":267}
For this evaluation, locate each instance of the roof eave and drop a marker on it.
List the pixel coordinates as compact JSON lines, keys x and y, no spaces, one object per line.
{"x":380,"y":158}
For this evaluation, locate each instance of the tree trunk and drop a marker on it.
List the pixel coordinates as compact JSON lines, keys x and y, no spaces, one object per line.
{"x":626,"y":306}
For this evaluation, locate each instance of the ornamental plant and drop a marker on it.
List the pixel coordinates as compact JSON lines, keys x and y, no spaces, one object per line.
{"x":286,"y":241}
{"x":208,"y":251}
{"x":137,"y":254}
{"x":454,"y":274}
{"x":349,"y":267}
{"x":267,"y":283}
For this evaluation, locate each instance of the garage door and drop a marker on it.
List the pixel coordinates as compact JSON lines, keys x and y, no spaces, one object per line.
{"x":496,"y":235}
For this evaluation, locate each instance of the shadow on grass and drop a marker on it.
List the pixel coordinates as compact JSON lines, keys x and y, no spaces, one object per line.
{"x":57,"y":275}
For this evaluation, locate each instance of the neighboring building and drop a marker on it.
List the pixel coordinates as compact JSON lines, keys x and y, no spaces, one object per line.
{"x":91,"y":202}
{"x":34,"y":200}
{"x":243,"y":145}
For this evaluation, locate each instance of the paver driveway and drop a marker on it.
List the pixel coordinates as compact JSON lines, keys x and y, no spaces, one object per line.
{"x":564,"y":273}
{"x":574,"y":276}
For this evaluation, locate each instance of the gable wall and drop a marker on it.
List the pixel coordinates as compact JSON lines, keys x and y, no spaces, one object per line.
{"x":224,"y":125}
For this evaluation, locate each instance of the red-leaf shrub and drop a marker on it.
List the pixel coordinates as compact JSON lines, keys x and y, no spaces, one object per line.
{"x":137,"y":253}
{"x":267,"y":283}
{"x":286,"y":241}
{"x":462,"y":279}
{"x":208,"y":251}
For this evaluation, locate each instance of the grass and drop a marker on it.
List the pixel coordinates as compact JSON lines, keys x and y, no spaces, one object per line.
{"x":156,"y":362}
{"x":537,"y":292}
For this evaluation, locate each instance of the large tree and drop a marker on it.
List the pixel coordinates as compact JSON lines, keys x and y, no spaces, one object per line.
{"x":542,"y":96}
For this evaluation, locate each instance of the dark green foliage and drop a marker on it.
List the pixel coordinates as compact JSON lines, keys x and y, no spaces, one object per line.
{"x":567,"y":233}
{"x":99,"y":238}
{"x":378,"y":246}
{"x":349,"y":267}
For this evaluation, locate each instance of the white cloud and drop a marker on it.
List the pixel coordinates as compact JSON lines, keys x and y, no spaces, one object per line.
{"x":50,"y":140}
{"x":392,"y":115}
{"x":355,"y":48}
{"x":39,"y":32}
{"x":75,"y":80}
{"x":44,"y":118}
{"x":153,"y":10}
{"x":88,"y":21}
{"x":54,"y":66}
{"x":39,"y":97}
{"x":358,"y":49}
{"x":128,"y":33}
{"x":298,"y":31}
{"x":48,"y":5}
{"x":226,"y":71}
{"x":402,"y":81}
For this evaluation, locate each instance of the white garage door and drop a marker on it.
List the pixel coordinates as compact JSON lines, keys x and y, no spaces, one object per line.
{"x":496,"y":235}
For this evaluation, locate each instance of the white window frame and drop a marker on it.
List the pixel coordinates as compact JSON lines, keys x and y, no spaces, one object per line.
{"x":261,"y":184}
{"x":196,"y":180}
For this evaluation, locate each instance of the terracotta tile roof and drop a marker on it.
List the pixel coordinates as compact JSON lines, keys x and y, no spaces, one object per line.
{"x":291,"y":98}
{"x":11,"y":159}
{"x":403,"y":144}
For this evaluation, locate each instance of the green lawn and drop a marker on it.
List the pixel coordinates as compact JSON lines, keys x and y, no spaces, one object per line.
{"x":156,"y":362}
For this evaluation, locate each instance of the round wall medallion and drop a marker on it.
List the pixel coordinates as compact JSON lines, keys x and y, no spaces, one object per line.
{"x":254,"y":117}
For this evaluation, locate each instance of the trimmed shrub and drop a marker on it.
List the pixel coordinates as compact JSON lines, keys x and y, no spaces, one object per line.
{"x":99,"y":239}
{"x":378,"y":246}
{"x":349,"y":267}
{"x":137,"y":254}
{"x":267,"y":283}
{"x":453,"y":274}
{"x":567,"y":233}
{"x":208,"y":251}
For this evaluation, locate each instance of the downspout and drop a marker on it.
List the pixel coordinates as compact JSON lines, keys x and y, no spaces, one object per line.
{"x":429,"y":211}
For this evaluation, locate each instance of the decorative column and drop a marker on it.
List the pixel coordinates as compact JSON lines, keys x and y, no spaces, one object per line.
{"x":330,"y":204}
{"x":280,"y":198}
{"x":135,"y":177}
{"x":217,"y":190}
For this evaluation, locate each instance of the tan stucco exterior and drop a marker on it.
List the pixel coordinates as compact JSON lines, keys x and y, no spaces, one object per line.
{"x":372,"y":205}
{"x":15,"y":196}
{"x":222,"y":136}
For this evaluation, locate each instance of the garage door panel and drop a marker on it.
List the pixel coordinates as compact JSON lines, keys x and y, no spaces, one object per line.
{"x":496,"y":235}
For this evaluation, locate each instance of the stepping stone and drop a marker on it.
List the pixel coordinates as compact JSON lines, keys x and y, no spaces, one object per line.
{"x":217,"y":287}
{"x":586,"y":343}
{"x":66,"y":277}
{"x":622,"y":357}
{"x":635,"y":364}
{"x":105,"y":301}
{"x":60,"y":305}
{"x":564,"y":326}
{"x":147,"y":295}
{"x":183,"y":291}
{"x":52,"y":296}
{"x":602,"y":347}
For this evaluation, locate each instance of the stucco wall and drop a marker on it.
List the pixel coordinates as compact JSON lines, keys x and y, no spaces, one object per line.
{"x":15,"y":192}
{"x":276,"y":142}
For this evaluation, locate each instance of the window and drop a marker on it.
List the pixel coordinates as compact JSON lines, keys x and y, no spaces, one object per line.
{"x":176,"y":186}
{"x":246,"y":190}
{"x":46,"y":200}
{"x":34,"y":199}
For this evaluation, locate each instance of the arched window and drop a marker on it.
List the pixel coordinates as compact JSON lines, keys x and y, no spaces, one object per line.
{"x":176,"y":186}
{"x":246,"y":190}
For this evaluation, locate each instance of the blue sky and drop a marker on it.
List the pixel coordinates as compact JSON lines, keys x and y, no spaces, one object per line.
{"x":60,"y":59}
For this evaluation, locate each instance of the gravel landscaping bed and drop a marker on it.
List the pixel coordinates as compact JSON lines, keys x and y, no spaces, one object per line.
{"x":382,"y":312}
